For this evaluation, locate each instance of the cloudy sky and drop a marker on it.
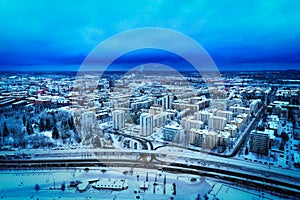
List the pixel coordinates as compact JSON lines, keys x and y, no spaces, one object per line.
{"x":238,"y":35}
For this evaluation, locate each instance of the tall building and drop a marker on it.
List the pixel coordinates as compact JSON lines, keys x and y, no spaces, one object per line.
{"x":203,"y":138}
{"x":165,"y":101}
{"x":196,"y":137}
{"x":180,"y":106}
{"x":189,"y":122}
{"x":232,"y":129}
{"x":236,"y":109}
{"x":210,"y":140}
{"x":146,"y":123}
{"x":159,"y":119}
{"x":259,"y":142}
{"x":173,"y":133}
{"x":88,"y":122}
{"x":227,"y":114}
{"x":223,"y":138}
{"x":220,"y":104}
{"x":118,"y":118}
{"x":217,"y":123}
{"x":203,"y":116}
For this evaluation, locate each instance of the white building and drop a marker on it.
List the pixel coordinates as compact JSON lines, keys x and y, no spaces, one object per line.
{"x":254,"y":105}
{"x":238,"y":122}
{"x":217,"y":123}
{"x":227,"y":114}
{"x":236,"y":109}
{"x":203,"y":116}
{"x":180,"y":106}
{"x":159,"y":119}
{"x":223,"y":138}
{"x":196,"y":137}
{"x":146,"y":123}
{"x":218,"y":104}
{"x":189,"y":122}
{"x":210,"y":140}
{"x":203,"y":138}
{"x":232,"y":129}
{"x":165,"y":101}
{"x":118,"y":118}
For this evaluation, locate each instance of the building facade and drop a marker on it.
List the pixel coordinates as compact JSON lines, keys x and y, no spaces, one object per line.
{"x":146,"y":123}
{"x":118,"y":118}
{"x":259,"y":142}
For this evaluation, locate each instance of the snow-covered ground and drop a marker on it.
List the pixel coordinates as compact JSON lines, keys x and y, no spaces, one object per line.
{"x":223,"y":191}
{"x":22,"y":184}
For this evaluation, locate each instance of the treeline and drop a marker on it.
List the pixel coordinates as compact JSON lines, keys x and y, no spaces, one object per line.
{"x":20,"y":128}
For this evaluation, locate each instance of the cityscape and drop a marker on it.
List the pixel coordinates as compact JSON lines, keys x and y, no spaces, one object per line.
{"x":127,"y":104}
{"x":241,"y":130}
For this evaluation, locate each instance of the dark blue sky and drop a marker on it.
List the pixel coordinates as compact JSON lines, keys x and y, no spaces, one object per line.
{"x":238,"y":35}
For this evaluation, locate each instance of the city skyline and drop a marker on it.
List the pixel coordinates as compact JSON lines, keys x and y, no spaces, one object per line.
{"x":149,"y":99}
{"x":140,"y":134}
{"x":57,"y":36}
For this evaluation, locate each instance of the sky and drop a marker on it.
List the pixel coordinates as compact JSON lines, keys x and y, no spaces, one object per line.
{"x":238,"y":35}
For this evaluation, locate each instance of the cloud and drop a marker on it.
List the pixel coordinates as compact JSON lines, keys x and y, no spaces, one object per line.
{"x":39,"y":32}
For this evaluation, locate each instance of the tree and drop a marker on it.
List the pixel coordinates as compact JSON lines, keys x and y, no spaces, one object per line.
{"x":55,"y":134}
{"x":24,"y":120}
{"x":246,"y":151}
{"x":37,"y":187}
{"x":29,"y":128}
{"x":48,"y":124}
{"x":42,"y":125}
{"x":284,"y":136}
{"x":54,"y":119}
{"x":71,"y":123}
{"x":5,"y":130}
{"x":193,"y":179}
{"x":63,"y":186}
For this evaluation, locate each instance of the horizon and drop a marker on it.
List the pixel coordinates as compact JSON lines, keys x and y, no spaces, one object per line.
{"x":120,"y":70}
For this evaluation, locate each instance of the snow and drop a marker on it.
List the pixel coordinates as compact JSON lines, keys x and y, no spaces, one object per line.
{"x":20,"y":184}
{"x":47,"y":133}
{"x":222,"y":191}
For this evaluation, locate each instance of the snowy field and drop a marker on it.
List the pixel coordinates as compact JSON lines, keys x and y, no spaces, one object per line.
{"x":47,"y":184}
{"x":55,"y":185}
